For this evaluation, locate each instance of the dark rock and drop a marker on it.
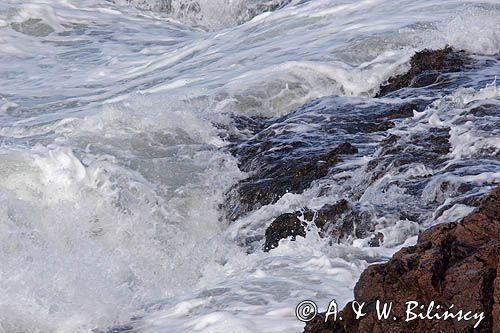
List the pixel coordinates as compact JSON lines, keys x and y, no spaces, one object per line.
{"x":329,"y":213}
{"x":341,"y":220}
{"x":282,"y":227}
{"x":289,"y":153}
{"x":337,"y":221}
{"x":426,"y":69}
{"x":280,"y":159}
{"x":371,"y":127}
{"x":405,"y":110}
{"x":453,"y":263}
{"x":376,"y":240}
{"x":240,"y":128}
{"x":429,"y":148}
{"x":267,"y":186}
{"x":485,"y":110}
{"x":253,"y":124}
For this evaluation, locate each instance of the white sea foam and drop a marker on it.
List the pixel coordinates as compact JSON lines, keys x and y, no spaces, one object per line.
{"x":111,"y":172}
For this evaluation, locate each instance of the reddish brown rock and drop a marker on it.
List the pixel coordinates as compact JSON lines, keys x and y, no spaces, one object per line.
{"x":454,"y":263}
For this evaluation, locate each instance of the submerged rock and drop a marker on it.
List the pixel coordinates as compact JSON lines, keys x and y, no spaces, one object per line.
{"x":453,"y":263}
{"x":33,"y":27}
{"x":321,"y":145}
{"x":427,"y":148}
{"x":278,"y":160}
{"x":426,"y":69}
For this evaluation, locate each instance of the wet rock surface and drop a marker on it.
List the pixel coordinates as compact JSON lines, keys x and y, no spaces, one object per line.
{"x":284,"y":226}
{"x":274,"y":171}
{"x":279,"y":161}
{"x":427,"y":67}
{"x":292,"y":153}
{"x":427,"y":148}
{"x":387,"y":159}
{"x":267,"y":187}
{"x":453,"y":263}
{"x":336,"y":221}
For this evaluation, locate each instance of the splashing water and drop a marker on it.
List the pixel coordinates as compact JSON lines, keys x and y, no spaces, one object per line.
{"x":209,"y":13}
{"x":112,"y":167}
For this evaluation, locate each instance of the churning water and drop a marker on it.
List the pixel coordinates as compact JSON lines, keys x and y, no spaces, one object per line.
{"x":113,"y":167}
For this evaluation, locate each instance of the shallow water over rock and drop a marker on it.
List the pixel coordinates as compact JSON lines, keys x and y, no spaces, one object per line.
{"x":134,"y":143}
{"x":363,"y":145}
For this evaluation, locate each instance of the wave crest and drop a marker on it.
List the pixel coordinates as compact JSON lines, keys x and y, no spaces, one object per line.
{"x":211,"y":14}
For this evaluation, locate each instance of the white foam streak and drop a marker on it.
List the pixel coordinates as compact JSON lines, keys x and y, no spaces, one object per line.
{"x":111,"y":171}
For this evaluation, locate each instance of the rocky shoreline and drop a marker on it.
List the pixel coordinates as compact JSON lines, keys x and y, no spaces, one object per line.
{"x":452,"y":264}
{"x":278,"y":163}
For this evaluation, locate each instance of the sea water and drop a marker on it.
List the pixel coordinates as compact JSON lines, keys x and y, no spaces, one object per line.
{"x":113,"y":171}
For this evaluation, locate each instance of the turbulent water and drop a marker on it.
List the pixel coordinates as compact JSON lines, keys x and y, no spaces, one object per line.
{"x":113,"y":166}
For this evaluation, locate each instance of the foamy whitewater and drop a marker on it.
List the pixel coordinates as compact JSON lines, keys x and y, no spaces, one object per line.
{"x":112,"y":171}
